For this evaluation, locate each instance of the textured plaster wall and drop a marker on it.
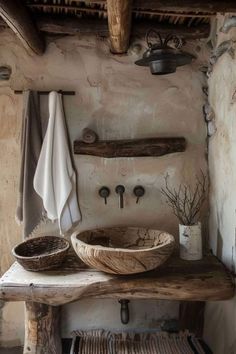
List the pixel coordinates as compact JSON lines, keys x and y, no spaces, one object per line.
{"x":220,"y":318}
{"x":118,"y":100}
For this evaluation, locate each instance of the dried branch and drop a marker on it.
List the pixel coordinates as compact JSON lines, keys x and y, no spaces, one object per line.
{"x":185,"y":202}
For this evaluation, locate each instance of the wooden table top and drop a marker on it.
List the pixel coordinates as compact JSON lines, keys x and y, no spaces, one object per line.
{"x":204,"y":280}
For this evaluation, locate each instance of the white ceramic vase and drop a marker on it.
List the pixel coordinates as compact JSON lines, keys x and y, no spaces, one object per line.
{"x":190,"y":239}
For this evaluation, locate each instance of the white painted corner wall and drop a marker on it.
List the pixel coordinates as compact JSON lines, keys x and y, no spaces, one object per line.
{"x":220,"y":317}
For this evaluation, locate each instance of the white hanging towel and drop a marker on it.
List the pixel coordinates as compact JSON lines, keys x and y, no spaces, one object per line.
{"x":55,"y":178}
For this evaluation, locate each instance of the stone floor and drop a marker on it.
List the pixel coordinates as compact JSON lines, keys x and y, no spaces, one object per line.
{"x":66,"y":345}
{"x":17,"y":350}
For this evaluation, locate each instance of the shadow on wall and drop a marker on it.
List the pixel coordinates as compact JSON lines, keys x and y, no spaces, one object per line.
{"x":219,"y":244}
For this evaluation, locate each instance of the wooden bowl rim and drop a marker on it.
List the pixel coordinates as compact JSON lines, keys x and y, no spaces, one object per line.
{"x":126,"y":250}
{"x":16,"y":255}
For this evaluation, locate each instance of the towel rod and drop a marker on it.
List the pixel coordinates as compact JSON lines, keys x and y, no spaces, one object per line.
{"x":68,"y":93}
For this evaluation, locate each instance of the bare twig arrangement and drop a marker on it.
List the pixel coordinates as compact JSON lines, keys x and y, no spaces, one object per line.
{"x":186,"y":202}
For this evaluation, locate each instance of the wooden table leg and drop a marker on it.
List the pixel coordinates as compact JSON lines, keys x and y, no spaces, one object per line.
{"x":42,"y":329}
{"x":191,"y":316}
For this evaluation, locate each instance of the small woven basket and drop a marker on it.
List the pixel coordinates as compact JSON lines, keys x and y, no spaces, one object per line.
{"x":41,"y":253}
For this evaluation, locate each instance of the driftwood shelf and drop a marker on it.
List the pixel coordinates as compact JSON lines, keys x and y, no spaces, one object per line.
{"x":131,"y":148}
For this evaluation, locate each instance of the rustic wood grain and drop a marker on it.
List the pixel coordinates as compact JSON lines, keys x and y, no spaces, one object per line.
{"x":42,"y":335}
{"x":204,"y":6}
{"x":99,"y":27}
{"x":127,"y":250}
{"x":18,"y":18}
{"x":213,"y":6}
{"x":131,"y":148}
{"x":181,"y":5}
{"x":204,"y":280}
{"x":119,"y":22}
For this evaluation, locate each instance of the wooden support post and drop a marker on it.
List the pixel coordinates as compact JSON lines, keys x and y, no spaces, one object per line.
{"x":42,"y":329}
{"x":191,"y":316}
{"x":17,"y":16}
{"x":119,"y":22}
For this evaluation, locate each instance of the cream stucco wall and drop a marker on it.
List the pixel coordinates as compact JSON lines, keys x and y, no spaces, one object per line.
{"x":220,"y":318}
{"x":118,"y":100}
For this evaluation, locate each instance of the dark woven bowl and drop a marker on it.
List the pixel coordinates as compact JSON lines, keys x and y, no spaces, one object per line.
{"x":41,"y":253}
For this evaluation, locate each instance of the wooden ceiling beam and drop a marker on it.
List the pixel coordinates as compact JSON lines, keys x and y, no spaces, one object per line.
{"x":17,"y":17}
{"x":119,"y":23}
{"x":99,"y":27}
{"x":212,"y":6}
{"x":140,"y":29}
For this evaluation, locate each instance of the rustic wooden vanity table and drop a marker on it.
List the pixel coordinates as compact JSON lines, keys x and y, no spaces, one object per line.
{"x":45,"y":292}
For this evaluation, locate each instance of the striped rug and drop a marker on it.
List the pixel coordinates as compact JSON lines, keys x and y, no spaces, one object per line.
{"x":104,"y":342}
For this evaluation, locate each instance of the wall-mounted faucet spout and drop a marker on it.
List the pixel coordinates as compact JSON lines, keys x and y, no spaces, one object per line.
{"x":124,"y":311}
{"x":120,"y":190}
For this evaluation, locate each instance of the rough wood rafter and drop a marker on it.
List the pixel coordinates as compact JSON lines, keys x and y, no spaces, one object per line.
{"x":16,"y":15}
{"x":212,"y":6}
{"x":99,"y":27}
{"x":103,"y":11}
{"x":119,"y":23}
{"x":66,"y":8}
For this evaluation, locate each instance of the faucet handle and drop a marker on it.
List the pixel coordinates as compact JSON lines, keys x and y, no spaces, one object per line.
{"x":120,"y":190}
{"x":139,"y":191}
{"x":104,"y":192}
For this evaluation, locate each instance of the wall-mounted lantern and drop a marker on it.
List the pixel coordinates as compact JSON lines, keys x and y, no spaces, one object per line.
{"x":160,"y":57}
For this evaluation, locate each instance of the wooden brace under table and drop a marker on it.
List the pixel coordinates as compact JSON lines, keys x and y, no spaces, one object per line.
{"x":191,"y":282}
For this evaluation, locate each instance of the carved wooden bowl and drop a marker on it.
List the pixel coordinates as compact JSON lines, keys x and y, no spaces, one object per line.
{"x":123,"y":250}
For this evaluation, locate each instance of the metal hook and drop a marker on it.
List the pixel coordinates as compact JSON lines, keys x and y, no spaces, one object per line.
{"x":150,"y":45}
{"x":177,"y":40}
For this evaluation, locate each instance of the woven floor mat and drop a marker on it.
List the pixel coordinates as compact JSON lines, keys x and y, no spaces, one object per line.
{"x":104,"y":342}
